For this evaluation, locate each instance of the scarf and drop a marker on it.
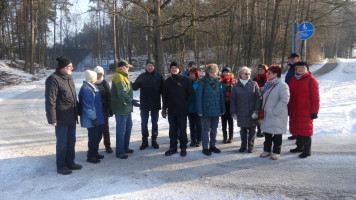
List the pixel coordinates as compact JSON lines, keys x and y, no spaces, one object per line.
{"x":298,"y":77}
{"x":244,"y":82}
{"x":270,"y":83}
{"x":211,"y":81}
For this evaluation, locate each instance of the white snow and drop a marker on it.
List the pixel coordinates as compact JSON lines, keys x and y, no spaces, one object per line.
{"x":28,"y":170}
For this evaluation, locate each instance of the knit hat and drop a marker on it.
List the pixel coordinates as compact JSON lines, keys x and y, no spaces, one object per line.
{"x":150,"y":61}
{"x":63,"y":62}
{"x":226,"y":69}
{"x":302,"y":63}
{"x":124,"y":63}
{"x":173,"y":64}
{"x":90,"y":76}
{"x":294,"y":55}
{"x":263,"y":66}
{"x":191,"y":63}
{"x":99,"y":70}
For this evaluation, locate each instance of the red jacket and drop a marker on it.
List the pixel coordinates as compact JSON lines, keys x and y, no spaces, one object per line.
{"x":304,"y":100}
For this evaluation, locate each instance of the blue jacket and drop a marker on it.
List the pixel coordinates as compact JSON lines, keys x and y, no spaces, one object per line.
{"x":90,"y":100}
{"x":210,"y":100}
{"x":290,"y":73}
{"x":193,"y":107}
{"x":185,"y":73}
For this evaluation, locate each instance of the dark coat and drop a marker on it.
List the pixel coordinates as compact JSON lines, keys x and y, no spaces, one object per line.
{"x":61,"y":99}
{"x":177,"y":95}
{"x":151,"y":88}
{"x":290,"y":73}
{"x":104,"y":89}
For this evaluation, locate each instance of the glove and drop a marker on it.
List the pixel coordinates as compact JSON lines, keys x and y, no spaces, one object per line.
{"x":110,"y":113}
{"x":135,"y":103}
{"x":234,"y":116}
{"x":200,"y":115}
{"x":95,"y":122}
{"x":164,"y":113}
{"x":314,"y":116}
{"x":254,"y":116}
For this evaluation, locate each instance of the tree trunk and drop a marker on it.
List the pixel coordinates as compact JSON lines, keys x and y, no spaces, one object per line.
{"x":114,"y":27}
{"x":158,"y":49}
{"x":32,"y":48}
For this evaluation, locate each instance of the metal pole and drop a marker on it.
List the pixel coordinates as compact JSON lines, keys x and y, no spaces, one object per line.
{"x":304,"y":56}
{"x":294,"y":30}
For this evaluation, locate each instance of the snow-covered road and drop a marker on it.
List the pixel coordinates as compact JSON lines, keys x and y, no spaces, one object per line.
{"x":27,"y":158}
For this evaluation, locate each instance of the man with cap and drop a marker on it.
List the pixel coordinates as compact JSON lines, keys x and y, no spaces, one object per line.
{"x":150,"y":84}
{"x":177,"y":95}
{"x":121,"y":105}
{"x":261,"y":80}
{"x":61,"y":112}
{"x":191,"y":65}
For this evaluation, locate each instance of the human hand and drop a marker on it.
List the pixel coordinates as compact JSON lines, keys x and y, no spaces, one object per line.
{"x":314,"y":116}
{"x":254,"y":115}
{"x":95,"y":122}
{"x":135,"y":103}
{"x":164,"y":113}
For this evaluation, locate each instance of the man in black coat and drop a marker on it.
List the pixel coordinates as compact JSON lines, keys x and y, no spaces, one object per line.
{"x":178,"y":94}
{"x":150,"y":84}
{"x":61,"y":112}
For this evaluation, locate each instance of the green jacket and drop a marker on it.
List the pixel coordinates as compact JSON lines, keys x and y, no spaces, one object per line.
{"x":121,"y":93}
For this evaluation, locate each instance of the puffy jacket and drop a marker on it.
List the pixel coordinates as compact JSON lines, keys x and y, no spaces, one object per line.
{"x":104,"y":89}
{"x":177,"y":95}
{"x":276,"y":111}
{"x":61,"y":99}
{"x":90,"y":100}
{"x":210,"y":99}
{"x":151,"y":88}
{"x":193,"y":107}
{"x":244,"y":100}
{"x":121,"y":94}
{"x":304,"y":100}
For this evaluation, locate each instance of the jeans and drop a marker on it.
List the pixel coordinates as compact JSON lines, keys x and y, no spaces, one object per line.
{"x":209,"y":124}
{"x":226,"y":118}
{"x":176,"y":122}
{"x":123,"y":132}
{"x":247,"y":137}
{"x":65,"y":146}
{"x":144,"y":122}
{"x":94,"y":137}
{"x":106,"y":133}
{"x":195,"y":127}
{"x":277,"y":142}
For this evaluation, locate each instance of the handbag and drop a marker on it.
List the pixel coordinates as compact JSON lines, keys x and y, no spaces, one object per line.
{"x":261,"y":113}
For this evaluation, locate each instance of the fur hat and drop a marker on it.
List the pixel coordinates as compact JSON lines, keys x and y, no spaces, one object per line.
{"x":302,"y":63}
{"x":226,"y":69}
{"x":263,"y":66}
{"x":63,"y":62}
{"x":150,"y":61}
{"x":173,"y":64}
{"x":90,"y":76}
{"x":99,"y":70}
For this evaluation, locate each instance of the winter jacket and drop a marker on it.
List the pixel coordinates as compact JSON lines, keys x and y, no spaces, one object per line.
{"x":151,"y":88}
{"x":276,"y":111}
{"x":244,"y":101}
{"x":185,"y":73}
{"x":261,"y":79}
{"x":90,"y":100}
{"x":227,"y":83}
{"x":304,"y":100}
{"x":61,"y":99}
{"x":193,"y":107}
{"x":209,"y":97}
{"x":104,"y":89}
{"x":121,"y":93}
{"x":290,"y":73}
{"x":177,"y":95}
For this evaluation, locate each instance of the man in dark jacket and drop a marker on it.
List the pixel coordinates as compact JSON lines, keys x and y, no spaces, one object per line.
{"x":150,"y":84}
{"x":178,"y":93}
{"x":61,"y":112}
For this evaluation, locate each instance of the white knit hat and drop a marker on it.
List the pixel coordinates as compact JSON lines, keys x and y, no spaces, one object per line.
{"x":90,"y":76}
{"x":99,"y":70}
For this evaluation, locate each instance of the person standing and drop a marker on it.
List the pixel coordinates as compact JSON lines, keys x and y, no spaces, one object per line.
{"x":150,"y":84}
{"x":92,"y":116}
{"x":303,"y":108}
{"x":195,"y":125}
{"x":261,"y":79}
{"x":274,"y":123}
{"x":210,"y":106}
{"x":121,"y":105}
{"x":178,"y":94}
{"x":245,"y":100}
{"x":191,"y":65}
{"x":61,"y":112}
{"x":104,"y":89}
{"x":227,"y":81}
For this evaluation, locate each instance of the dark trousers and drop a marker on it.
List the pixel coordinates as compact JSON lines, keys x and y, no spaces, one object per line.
{"x":94,"y":137}
{"x":304,"y":143}
{"x":226,"y":118}
{"x":277,"y":142}
{"x":144,"y":122}
{"x":65,"y":145}
{"x":176,"y":122}
{"x":106,"y":133}
{"x":248,"y":137}
{"x":195,"y":127}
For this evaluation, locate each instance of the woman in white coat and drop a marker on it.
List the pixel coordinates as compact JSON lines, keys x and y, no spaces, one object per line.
{"x":274,"y":123}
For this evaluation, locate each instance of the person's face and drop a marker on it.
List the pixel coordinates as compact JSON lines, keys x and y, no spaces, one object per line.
{"x":125,"y":69}
{"x":192,"y":76}
{"x":293,"y":60}
{"x":272,"y":75}
{"x":245,"y":75}
{"x":67,"y":70}
{"x":301,"y":70}
{"x":213,"y":74}
{"x":174,"y":70}
{"x":94,"y":81}
{"x":99,"y":76}
{"x":150,"y":68}
{"x":225,"y":73}
{"x":261,"y":71}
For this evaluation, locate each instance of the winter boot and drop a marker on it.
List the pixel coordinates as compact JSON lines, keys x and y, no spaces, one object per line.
{"x":144,"y":145}
{"x":265,"y":154}
{"x":155,"y":144}
{"x":275,"y":156}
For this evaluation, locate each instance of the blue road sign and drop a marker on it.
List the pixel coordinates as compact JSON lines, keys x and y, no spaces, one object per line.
{"x":306,"y":29}
{"x":104,"y":63}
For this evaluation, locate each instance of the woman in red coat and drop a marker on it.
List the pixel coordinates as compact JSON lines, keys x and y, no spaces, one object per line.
{"x":303,"y":107}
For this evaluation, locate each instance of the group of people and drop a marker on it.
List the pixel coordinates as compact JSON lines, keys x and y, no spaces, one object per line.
{"x":263,"y":103}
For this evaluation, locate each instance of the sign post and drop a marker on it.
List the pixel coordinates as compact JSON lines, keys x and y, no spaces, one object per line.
{"x":104,"y":63}
{"x":307,"y":30}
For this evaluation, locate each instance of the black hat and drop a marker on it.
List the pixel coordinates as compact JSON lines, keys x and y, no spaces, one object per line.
{"x":63,"y":62}
{"x":191,"y":63}
{"x":173,"y":64}
{"x":226,"y":69}
{"x":294,"y":55}
{"x":302,"y":63}
{"x":150,"y":61}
